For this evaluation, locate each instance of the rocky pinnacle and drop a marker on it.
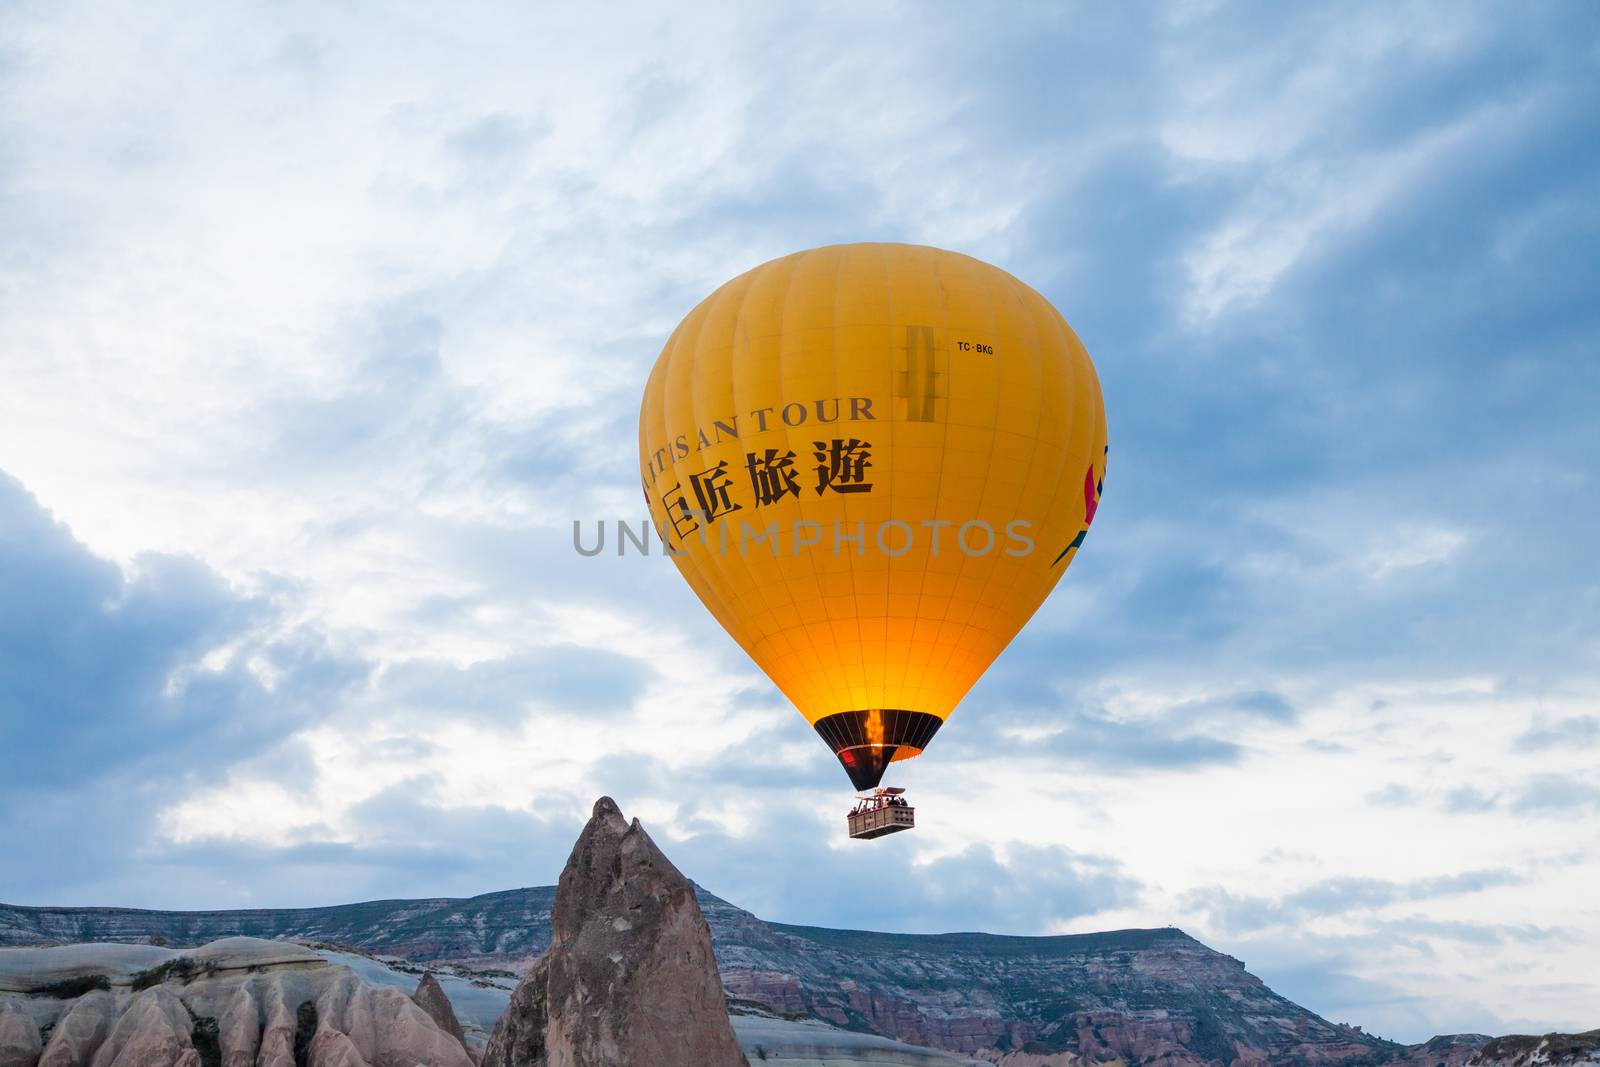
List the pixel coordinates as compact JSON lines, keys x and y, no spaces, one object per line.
{"x":431,"y":998}
{"x":629,"y":977}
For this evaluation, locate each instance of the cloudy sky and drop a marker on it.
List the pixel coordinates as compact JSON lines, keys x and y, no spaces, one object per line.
{"x":320,"y":324}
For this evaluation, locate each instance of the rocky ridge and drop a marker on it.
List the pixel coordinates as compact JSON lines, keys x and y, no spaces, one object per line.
{"x":494,"y":930}
{"x":1550,"y":1050}
{"x":1447,"y":1050}
{"x":1129,"y":993}
{"x":1134,"y":995}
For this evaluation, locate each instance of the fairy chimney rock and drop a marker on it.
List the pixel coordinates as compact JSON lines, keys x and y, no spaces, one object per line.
{"x":629,"y":977}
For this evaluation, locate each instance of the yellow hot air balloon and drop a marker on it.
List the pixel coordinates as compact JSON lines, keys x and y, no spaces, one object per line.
{"x":872,"y":463}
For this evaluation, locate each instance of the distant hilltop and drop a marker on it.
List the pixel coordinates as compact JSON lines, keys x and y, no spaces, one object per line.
{"x":1120,"y":997}
{"x":1130,"y":995}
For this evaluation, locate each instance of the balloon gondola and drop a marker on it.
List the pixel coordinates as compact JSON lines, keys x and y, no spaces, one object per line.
{"x":885,"y":811}
{"x":872,"y":463}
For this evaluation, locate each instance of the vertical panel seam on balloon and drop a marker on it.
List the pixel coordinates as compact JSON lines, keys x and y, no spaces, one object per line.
{"x":804,"y":683}
{"x":735,"y":574}
{"x":717,"y":561}
{"x":741,"y":332}
{"x":888,"y":296}
{"x":808,"y":685}
{"x":938,"y":496}
{"x":812,"y":682}
{"x":994,"y":435}
{"x":726,"y":612}
{"x":706,"y":577}
{"x":855,"y":588}
{"x":1018,"y":288}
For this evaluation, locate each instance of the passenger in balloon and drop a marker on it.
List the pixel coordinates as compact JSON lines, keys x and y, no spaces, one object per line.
{"x":884,"y":812}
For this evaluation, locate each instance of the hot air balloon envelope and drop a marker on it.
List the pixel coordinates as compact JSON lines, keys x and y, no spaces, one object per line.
{"x":872,"y":463}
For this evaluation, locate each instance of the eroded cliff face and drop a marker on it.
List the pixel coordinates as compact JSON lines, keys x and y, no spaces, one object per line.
{"x":240,"y":1002}
{"x":1133,"y":995}
{"x":1548,"y":1050}
{"x":630,"y":976}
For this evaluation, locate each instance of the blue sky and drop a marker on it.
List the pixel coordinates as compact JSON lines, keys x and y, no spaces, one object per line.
{"x":318,"y":328}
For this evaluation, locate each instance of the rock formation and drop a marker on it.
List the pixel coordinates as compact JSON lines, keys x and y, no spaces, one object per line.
{"x":519,"y":1037}
{"x":83,"y":1029}
{"x":630,"y":977}
{"x":155,"y":1028}
{"x":19,"y":1038}
{"x":430,"y":997}
{"x":240,"y":1002}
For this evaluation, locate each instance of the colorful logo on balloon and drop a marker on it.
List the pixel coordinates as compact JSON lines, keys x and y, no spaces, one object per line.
{"x":1092,"y":488}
